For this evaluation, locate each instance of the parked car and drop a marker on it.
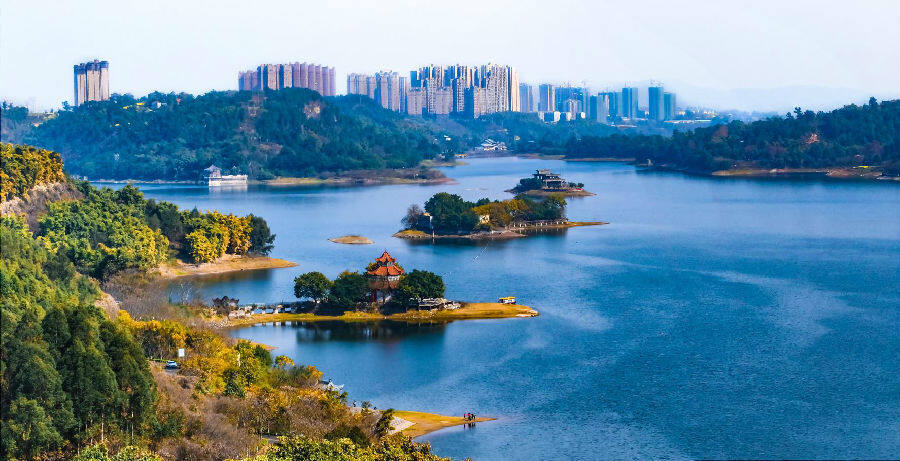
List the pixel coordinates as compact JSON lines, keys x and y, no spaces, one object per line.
{"x":171,"y":365}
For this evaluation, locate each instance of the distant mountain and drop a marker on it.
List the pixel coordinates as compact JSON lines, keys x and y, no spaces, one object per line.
{"x":780,"y":99}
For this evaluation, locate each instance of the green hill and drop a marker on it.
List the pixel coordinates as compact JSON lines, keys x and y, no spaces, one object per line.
{"x":851,"y":136}
{"x":293,"y":132}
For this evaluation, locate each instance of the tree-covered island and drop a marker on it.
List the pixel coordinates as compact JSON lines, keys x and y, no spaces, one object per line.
{"x":449,"y":216}
{"x":385,"y":290}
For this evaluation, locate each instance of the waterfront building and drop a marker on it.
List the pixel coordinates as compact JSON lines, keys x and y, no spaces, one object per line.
{"x":669,"y":106}
{"x":550,"y":181}
{"x":91,"y":81}
{"x":546,"y":98}
{"x":656,"y":109}
{"x":214,"y":178}
{"x":629,"y":102}
{"x":384,"y":277}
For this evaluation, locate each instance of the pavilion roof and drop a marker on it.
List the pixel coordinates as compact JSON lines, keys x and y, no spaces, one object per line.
{"x":385,"y":271}
{"x":385,"y":257}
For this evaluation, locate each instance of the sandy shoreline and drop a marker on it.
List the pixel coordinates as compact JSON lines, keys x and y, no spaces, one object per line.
{"x":417,"y":423}
{"x":225,"y":264}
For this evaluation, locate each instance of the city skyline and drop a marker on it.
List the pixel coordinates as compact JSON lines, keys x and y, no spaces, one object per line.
{"x":837,"y":55}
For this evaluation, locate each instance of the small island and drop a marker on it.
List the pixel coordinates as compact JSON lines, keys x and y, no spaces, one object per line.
{"x":385,"y":291}
{"x":544,"y":183}
{"x":449,"y":217}
{"x":352,"y":240}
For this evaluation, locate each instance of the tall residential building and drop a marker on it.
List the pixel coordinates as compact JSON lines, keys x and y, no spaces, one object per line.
{"x":512,"y":87}
{"x":415,"y":101}
{"x":526,"y":97}
{"x":564,"y":94}
{"x":657,"y":110}
{"x":358,"y":84}
{"x":614,"y":101}
{"x":91,"y":81}
{"x":546,"y":98}
{"x":598,"y":108}
{"x":435,"y":90}
{"x":293,"y":75}
{"x":476,"y":102}
{"x":495,"y":79}
{"x":669,"y":105}
{"x":387,"y":91}
{"x":629,"y":102}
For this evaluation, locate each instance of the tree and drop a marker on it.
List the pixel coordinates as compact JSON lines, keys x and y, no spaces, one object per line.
{"x":261,"y":238}
{"x":383,"y":426}
{"x":413,"y":217}
{"x":28,"y":430}
{"x":348,"y":289}
{"x":312,"y":285}
{"x":417,"y":285}
{"x":450,"y":213}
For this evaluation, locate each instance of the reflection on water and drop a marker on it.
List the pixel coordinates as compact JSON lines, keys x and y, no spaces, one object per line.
{"x":385,"y":330}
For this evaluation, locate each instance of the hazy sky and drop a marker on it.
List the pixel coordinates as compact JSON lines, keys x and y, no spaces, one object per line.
{"x":704,"y":50}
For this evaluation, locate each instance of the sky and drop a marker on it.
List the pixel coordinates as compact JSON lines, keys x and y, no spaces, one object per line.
{"x":760,"y":54}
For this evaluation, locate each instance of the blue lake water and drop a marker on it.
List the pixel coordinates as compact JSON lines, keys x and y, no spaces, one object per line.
{"x":713,"y":318}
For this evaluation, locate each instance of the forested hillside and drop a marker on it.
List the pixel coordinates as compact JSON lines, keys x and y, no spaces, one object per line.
{"x":851,"y":136}
{"x":69,"y":374}
{"x":77,"y":382}
{"x":292,"y":132}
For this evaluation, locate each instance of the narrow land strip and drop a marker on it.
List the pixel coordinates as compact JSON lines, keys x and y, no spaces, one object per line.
{"x":227,"y":263}
{"x":424,"y":423}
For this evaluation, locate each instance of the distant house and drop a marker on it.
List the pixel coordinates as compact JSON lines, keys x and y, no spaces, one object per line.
{"x":214,"y":178}
{"x":384,"y":277}
{"x":491,"y":145}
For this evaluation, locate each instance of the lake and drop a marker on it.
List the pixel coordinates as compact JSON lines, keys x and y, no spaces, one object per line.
{"x":713,"y":318}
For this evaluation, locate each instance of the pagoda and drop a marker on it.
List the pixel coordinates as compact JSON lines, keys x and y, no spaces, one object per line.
{"x":384,"y":277}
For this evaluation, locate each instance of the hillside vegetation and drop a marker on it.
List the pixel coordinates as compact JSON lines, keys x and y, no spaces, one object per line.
{"x":292,"y":132}
{"x":851,"y":136}
{"x":78,"y":383}
{"x":24,"y":167}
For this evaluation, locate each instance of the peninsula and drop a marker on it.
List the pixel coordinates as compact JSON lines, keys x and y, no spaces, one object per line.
{"x":224,"y":264}
{"x":449,"y":217}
